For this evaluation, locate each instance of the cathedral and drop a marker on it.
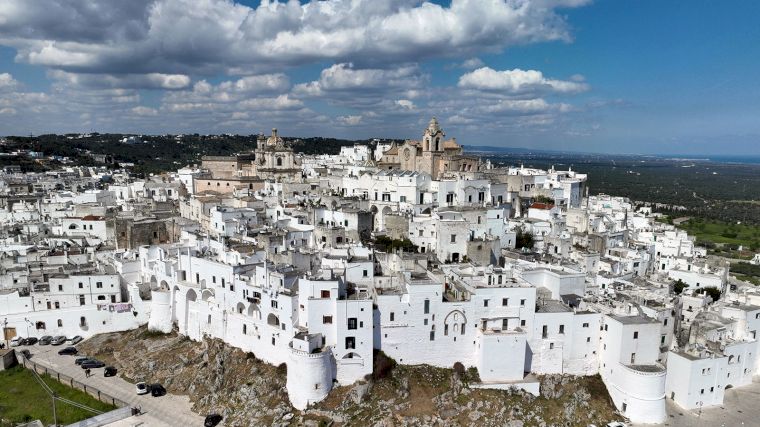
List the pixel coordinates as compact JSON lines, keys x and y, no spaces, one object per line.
{"x":434,"y":155}
{"x":274,"y":160}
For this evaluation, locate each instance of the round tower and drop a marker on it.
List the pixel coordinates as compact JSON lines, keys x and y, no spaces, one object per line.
{"x":160,"y":311}
{"x":310,"y":377}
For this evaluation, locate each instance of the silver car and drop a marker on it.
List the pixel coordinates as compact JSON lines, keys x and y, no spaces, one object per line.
{"x":60,"y":339}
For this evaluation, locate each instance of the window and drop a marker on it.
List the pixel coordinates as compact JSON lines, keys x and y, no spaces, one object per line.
{"x":561,"y":329}
{"x":453,"y":238}
{"x":432,"y":336}
{"x":213,"y":279}
{"x":665,"y":323}
{"x":522,"y":322}
{"x":427,"y":306}
{"x":60,"y":323}
{"x":393,"y":316}
{"x":485,"y":303}
{"x":545,"y":331}
{"x":81,"y":299}
{"x":81,"y":285}
{"x":327,"y":320}
{"x":633,"y":358}
{"x":60,"y":288}
{"x":222,"y":281}
{"x":99,"y":285}
{"x":57,"y":304}
{"x":352,"y":323}
{"x":522,"y":303}
{"x":585,"y":325}
{"x":350,"y":343}
{"x":450,"y":198}
{"x":636,"y":335}
{"x":588,"y":339}
{"x":274,"y":304}
{"x":551,"y":346}
{"x":505,"y":301}
{"x":324,"y":294}
{"x":245,"y":329}
{"x":504,"y":323}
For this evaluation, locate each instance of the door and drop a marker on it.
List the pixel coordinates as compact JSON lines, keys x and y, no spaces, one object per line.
{"x":9,"y":333}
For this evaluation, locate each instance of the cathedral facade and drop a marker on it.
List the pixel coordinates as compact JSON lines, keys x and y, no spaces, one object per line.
{"x":434,"y":154}
{"x":274,"y":160}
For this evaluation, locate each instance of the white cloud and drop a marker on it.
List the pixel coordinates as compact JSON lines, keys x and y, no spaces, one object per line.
{"x":517,"y":81}
{"x":141,"y":110}
{"x":350,"y":120}
{"x":198,"y":36}
{"x":7,"y":82}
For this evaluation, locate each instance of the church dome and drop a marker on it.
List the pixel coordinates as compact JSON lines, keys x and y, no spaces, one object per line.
{"x":274,"y":139}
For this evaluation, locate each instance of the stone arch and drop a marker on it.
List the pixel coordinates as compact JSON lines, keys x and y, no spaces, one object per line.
{"x":164,"y":285}
{"x":153,"y":282}
{"x":455,"y":323}
{"x":426,"y":211}
{"x":190,"y":297}
{"x":240,"y":308}
{"x":351,"y":355}
{"x":273,"y":320}
{"x":253,"y":311}
{"x":279,"y":161}
{"x":207,"y":294}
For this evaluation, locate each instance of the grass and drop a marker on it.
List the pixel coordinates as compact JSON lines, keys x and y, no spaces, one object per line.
{"x":22,"y":399}
{"x":723,"y":233}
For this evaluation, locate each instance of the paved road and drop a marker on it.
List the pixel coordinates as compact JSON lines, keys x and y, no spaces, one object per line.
{"x":741,"y":408}
{"x":168,"y":410}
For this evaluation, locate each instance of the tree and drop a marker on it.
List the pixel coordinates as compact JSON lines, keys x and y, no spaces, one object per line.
{"x":678,"y":286}
{"x":712,"y":291}
{"x":524,"y":239}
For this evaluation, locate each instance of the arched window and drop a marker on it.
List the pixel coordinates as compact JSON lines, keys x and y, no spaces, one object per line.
{"x":60,"y":323}
{"x":279,"y":161}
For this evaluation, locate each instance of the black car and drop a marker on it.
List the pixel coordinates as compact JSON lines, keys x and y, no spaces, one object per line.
{"x":80,"y":360}
{"x":109,"y":371}
{"x":212,"y":420}
{"x":71,"y":351}
{"x":46,"y":340}
{"x":30,"y":341}
{"x":157,"y":390}
{"x":92,"y":364}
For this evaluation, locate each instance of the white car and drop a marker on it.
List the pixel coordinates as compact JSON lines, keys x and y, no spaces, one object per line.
{"x":16,"y":341}
{"x":141,"y":388}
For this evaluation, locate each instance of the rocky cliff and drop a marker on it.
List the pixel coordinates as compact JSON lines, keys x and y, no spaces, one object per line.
{"x":222,"y":379}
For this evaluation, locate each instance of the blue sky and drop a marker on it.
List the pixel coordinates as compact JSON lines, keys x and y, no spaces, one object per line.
{"x":655,"y":77}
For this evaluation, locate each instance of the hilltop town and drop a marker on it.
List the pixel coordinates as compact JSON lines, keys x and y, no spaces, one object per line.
{"x":416,"y":249}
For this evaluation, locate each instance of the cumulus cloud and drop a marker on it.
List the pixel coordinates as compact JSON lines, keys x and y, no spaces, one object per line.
{"x":517,"y":81}
{"x":7,"y":82}
{"x":185,"y":36}
{"x":125,"y":81}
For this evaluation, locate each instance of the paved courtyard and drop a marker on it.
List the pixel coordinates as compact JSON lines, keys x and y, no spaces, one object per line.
{"x":741,"y":407}
{"x":168,"y":410}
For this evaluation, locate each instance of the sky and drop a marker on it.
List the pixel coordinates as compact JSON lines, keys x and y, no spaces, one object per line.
{"x":649,"y":77}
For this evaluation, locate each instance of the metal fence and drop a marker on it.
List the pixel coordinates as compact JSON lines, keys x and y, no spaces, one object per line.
{"x":71,"y":382}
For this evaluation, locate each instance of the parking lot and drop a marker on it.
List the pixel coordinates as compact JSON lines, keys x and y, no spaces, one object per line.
{"x":167,"y":410}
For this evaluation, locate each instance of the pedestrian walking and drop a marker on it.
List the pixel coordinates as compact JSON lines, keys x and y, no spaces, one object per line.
{"x":87,"y":373}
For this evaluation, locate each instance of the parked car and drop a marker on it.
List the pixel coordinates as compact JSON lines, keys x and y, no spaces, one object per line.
{"x":92,"y":364}
{"x":109,"y":371}
{"x":157,"y":390}
{"x":76,"y":339}
{"x":60,"y":339}
{"x":16,"y":341}
{"x":30,"y":341}
{"x":46,"y":340}
{"x":212,"y":420}
{"x":142,"y":388}
{"x":71,"y":351}
{"x":81,"y":359}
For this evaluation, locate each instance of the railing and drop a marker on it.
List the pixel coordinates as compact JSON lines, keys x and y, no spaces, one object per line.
{"x":71,"y":382}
